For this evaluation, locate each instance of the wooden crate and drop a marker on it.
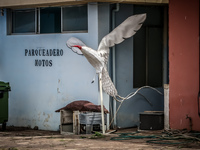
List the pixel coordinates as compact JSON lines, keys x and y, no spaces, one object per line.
{"x":66,"y":122}
{"x":71,"y":122}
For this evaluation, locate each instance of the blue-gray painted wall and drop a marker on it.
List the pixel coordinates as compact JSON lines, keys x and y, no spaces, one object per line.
{"x":36,"y":92}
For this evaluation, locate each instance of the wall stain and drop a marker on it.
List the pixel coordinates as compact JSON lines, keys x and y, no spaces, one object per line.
{"x":58,"y":91}
{"x":46,"y":121}
{"x":39,"y":116}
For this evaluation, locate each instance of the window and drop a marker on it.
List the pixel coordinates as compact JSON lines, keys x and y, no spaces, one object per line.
{"x":75,"y":18}
{"x":23,"y":21}
{"x":48,"y":20}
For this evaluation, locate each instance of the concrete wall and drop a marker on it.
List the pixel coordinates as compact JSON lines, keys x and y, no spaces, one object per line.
{"x":38,"y":91}
{"x":183,"y":63}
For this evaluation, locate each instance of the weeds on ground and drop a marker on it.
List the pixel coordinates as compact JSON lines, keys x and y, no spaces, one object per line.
{"x":97,"y":135}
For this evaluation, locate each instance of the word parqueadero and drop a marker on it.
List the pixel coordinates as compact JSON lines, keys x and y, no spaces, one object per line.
{"x":43,"y":52}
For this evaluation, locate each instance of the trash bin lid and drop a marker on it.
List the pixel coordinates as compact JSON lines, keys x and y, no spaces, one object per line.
{"x":4,"y":86}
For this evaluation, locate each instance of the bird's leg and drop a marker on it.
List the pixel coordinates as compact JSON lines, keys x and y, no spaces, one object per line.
{"x":94,"y":77}
{"x":101,"y":98}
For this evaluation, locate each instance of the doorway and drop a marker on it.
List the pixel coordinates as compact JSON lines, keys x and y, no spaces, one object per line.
{"x":141,"y":60}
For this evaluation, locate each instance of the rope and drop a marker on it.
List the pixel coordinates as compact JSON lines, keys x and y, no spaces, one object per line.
{"x":115,"y":114}
{"x":134,"y":93}
{"x":122,"y":99}
{"x":129,"y":136}
{"x":161,"y":139}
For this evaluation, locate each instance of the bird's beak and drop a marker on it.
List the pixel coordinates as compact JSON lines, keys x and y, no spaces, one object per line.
{"x":77,"y":46}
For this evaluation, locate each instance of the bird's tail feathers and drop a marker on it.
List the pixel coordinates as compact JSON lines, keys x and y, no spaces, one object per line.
{"x":107,"y":84}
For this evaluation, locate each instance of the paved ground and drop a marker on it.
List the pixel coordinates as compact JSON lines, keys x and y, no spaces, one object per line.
{"x":27,"y":139}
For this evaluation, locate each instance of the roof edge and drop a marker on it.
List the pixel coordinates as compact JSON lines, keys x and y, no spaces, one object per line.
{"x":48,"y":3}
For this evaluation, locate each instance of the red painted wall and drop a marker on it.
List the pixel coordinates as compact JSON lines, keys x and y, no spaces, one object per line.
{"x":183,"y":63}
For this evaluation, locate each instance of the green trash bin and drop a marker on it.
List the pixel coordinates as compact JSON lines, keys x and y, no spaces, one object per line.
{"x":4,"y":89}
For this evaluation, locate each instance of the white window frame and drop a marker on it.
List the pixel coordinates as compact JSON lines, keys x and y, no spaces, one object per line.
{"x":37,"y":23}
{"x":10,"y":23}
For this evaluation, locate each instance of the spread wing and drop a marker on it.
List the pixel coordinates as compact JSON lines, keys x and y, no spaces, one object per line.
{"x":125,"y":30}
{"x":107,"y":84}
{"x":74,"y":41}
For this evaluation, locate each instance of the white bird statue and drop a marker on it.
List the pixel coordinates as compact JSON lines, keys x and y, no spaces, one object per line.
{"x":98,"y":59}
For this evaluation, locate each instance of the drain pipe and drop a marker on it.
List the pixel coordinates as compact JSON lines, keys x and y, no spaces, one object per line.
{"x":114,"y":63}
